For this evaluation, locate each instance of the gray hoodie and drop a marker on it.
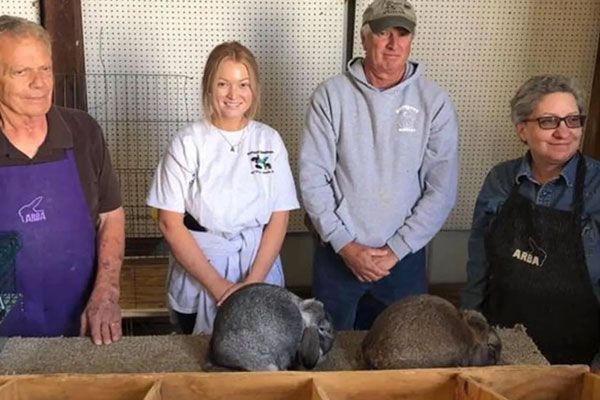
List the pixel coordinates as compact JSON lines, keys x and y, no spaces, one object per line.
{"x":379,"y":166}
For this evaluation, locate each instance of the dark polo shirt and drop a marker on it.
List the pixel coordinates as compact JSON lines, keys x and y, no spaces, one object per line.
{"x":77,"y":130}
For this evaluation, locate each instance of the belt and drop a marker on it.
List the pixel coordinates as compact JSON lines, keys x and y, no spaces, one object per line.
{"x":191,"y":223}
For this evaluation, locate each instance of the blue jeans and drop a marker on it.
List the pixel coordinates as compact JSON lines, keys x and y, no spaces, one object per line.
{"x":354,"y":304}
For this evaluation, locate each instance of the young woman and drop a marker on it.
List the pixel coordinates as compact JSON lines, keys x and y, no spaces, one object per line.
{"x":223,"y":190}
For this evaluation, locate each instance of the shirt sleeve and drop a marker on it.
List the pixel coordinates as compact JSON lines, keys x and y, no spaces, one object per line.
{"x":486,"y":207}
{"x":317,"y":165}
{"x":591,"y":224}
{"x":99,"y":180}
{"x":284,"y":189}
{"x":174,"y":175}
{"x":439,"y":174}
{"x":109,"y":190}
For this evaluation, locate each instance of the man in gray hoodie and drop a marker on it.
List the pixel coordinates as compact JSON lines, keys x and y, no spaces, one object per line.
{"x":378,"y":170}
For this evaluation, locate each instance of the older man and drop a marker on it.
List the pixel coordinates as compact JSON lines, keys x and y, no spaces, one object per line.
{"x":378,"y":170}
{"x":60,"y":195}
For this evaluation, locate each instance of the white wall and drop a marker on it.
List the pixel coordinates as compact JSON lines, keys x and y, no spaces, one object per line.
{"x":21,"y":8}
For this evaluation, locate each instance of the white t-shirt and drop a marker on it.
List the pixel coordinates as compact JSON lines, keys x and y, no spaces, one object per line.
{"x":225,"y":191}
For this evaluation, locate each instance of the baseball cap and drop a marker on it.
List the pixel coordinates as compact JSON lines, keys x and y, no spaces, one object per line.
{"x":383,"y":14}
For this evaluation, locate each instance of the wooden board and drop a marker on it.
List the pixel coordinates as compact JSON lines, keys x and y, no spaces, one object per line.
{"x":534,"y":382}
{"x":591,"y":387}
{"x":388,"y":385}
{"x":469,"y":389}
{"x":489,"y":383}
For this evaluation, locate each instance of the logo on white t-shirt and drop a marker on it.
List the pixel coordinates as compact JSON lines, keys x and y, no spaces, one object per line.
{"x":407,"y":117}
{"x":261,"y":161}
{"x":31,"y":213}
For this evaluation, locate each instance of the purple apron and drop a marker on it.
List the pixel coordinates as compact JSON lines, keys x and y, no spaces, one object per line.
{"x":55,"y":268}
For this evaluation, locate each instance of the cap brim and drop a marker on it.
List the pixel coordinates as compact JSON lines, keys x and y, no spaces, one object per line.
{"x":395,"y":21}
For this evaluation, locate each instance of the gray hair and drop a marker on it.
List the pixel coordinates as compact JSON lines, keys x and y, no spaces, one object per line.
{"x":530,"y":93}
{"x":22,"y":28}
{"x":366,"y":29}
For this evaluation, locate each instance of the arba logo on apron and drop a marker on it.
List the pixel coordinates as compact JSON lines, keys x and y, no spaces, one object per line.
{"x":535,"y":256}
{"x":31,"y":213}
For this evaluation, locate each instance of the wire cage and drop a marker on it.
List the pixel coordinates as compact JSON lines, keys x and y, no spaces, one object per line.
{"x":138,"y":114}
{"x":10,"y":244}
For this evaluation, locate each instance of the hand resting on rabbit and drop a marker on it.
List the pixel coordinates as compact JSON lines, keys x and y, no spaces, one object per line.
{"x":265,"y":327}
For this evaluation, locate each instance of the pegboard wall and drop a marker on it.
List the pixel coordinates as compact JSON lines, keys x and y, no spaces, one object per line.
{"x":144,"y":59}
{"x":481,"y":52}
{"x":297,"y":45}
{"x":21,"y":8}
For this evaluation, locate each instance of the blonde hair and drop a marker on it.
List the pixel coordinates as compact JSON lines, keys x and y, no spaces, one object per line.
{"x":23,"y":28}
{"x":236,"y":52}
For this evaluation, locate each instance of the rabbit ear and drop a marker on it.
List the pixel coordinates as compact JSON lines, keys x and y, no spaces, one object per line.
{"x":309,"y":348}
{"x":487,"y":353}
{"x":476,"y":321}
{"x":487,"y":347}
{"x":494,"y":345}
{"x":312,"y":311}
{"x":310,"y":305}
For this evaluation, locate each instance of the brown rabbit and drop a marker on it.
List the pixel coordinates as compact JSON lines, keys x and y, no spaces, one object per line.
{"x":427,"y":331}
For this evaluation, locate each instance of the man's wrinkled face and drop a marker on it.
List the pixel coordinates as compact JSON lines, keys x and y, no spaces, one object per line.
{"x":26,"y":78}
{"x":387,"y":51}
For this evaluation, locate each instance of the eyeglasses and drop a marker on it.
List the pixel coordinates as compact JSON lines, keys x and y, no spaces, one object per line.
{"x":552,"y":122}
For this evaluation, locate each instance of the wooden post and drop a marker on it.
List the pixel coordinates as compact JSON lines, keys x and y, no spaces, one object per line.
{"x":62,"y":19}
{"x":591,"y":143}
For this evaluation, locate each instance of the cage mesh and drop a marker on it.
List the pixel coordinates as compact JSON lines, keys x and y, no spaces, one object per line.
{"x":138,"y":115}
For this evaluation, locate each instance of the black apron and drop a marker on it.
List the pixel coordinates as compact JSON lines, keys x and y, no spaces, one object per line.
{"x":538,"y":277}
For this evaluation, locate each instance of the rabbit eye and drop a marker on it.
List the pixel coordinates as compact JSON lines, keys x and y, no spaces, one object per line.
{"x":323,"y":329}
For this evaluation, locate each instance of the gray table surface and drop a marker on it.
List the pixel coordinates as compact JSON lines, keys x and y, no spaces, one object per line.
{"x":183,"y":353}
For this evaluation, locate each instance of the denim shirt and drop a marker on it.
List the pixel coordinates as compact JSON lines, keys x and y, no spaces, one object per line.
{"x":557,"y":194}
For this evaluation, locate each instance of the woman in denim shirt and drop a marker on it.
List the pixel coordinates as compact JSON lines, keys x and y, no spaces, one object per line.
{"x":534,"y":252}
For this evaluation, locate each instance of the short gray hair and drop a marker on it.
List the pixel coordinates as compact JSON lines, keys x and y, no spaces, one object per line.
{"x":366,"y":29}
{"x":530,"y":93}
{"x":22,"y":28}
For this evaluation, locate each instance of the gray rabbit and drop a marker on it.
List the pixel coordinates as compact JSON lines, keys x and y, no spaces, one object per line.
{"x":263,"y":327}
{"x":427,"y":331}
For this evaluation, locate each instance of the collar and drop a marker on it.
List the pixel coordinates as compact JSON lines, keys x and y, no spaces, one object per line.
{"x":59,"y":137}
{"x":357,"y":68}
{"x":568,"y":172}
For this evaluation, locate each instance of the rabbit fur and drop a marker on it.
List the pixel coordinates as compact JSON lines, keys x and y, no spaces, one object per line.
{"x":263,"y":327}
{"x":426,"y":331}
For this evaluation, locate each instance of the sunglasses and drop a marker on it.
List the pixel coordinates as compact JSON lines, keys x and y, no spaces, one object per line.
{"x":551,"y":122}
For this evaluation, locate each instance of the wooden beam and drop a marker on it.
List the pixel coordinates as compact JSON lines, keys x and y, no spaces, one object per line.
{"x":591,"y":143}
{"x":62,"y":19}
